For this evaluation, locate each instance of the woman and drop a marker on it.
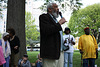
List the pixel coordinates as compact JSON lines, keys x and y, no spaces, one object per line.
{"x":6,"y":48}
{"x":68,"y":54}
{"x":15,"y":44}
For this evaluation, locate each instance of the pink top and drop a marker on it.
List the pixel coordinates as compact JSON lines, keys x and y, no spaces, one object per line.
{"x":2,"y":59}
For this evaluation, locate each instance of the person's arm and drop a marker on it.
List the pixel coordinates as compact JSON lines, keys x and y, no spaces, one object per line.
{"x":19,"y":63}
{"x":80,"y":45}
{"x":17,"y":43}
{"x":29,"y":64}
{"x":73,"y":40}
{"x":81,"y":52}
{"x":48,"y":27}
{"x":24,"y":64}
{"x":64,"y":40}
{"x":95,"y":43}
{"x":62,"y":21}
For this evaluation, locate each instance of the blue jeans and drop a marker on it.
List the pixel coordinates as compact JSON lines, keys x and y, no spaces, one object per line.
{"x":91,"y":62}
{"x":68,"y":57}
{"x":7,"y":62}
{"x":39,"y":64}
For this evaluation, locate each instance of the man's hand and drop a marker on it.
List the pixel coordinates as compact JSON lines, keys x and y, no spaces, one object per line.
{"x":96,"y":50}
{"x":81,"y":52}
{"x":22,"y":62}
{"x":15,"y":47}
{"x":65,"y":41}
{"x":62,"y":21}
{"x":73,"y":42}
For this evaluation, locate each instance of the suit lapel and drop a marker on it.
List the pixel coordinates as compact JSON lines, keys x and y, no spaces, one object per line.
{"x":51,"y":18}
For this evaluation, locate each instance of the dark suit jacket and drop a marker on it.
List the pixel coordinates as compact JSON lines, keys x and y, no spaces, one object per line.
{"x":50,"y":40}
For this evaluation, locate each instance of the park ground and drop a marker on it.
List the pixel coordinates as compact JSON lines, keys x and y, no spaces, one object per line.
{"x":76,"y":58}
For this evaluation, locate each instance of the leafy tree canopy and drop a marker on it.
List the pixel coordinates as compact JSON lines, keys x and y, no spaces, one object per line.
{"x":63,"y":4}
{"x":2,"y":7}
{"x":87,"y":17}
{"x":32,"y":33}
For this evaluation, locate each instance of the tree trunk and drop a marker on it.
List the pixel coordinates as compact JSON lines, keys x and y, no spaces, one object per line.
{"x":16,"y":20}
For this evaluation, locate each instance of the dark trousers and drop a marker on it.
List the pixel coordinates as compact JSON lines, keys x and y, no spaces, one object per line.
{"x":39,"y":64}
{"x":89,"y":62}
{"x":1,"y":65}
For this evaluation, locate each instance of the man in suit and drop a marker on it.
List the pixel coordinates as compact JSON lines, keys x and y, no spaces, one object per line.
{"x":51,"y":38}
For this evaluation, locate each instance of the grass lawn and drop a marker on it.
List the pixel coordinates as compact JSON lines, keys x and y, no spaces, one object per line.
{"x":32,"y":56}
{"x":76,"y":58}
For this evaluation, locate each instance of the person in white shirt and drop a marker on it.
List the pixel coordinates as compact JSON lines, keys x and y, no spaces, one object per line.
{"x":68,"y":41}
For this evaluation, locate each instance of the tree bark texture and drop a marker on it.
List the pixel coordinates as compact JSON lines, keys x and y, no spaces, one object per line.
{"x":16,"y":20}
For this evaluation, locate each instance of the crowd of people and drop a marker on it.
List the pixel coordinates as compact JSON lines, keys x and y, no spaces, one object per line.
{"x":9,"y":51}
{"x":56,"y":49}
{"x":10,"y":44}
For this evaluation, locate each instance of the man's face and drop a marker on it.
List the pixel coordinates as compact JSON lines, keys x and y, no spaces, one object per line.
{"x":87,"y":31}
{"x":10,"y":34}
{"x":67,"y":31}
{"x":55,"y":10}
{"x":25,"y":58}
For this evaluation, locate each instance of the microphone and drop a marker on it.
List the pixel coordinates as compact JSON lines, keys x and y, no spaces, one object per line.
{"x":60,"y":14}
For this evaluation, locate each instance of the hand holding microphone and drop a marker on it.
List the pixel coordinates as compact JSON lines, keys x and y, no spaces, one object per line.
{"x":62,"y":20}
{"x":60,"y":14}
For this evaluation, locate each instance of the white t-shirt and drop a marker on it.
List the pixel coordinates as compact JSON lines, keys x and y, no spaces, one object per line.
{"x":68,"y":42}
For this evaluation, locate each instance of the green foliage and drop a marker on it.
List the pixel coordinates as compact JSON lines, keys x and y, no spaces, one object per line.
{"x":33,"y":56}
{"x":4,"y":7}
{"x":0,"y":11}
{"x":32,"y":33}
{"x":2,"y":0}
{"x":63,"y":5}
{"x":87,"y":17}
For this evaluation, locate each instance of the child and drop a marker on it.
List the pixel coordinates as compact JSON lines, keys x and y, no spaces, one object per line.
{"x":24,"y":62}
